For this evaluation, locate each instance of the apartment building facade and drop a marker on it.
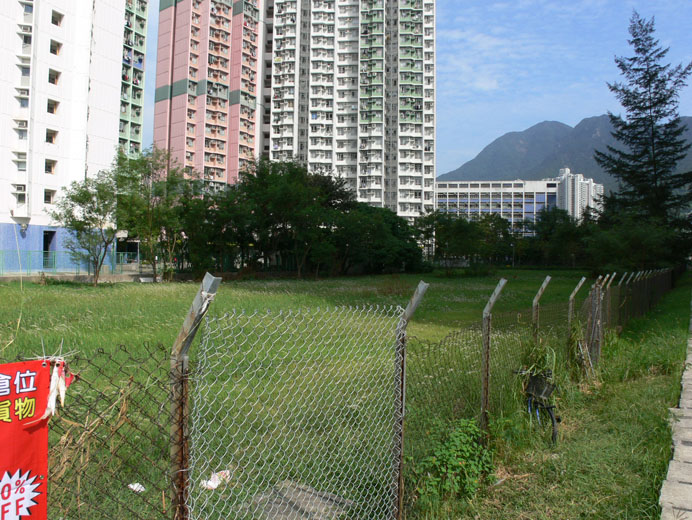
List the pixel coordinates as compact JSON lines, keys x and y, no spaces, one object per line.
{"x":59,"y":108}
{"x":345,"y":86}
{"x":209,"y":102}
{"x":353,"y":94}
{"x":519,"y":201}
{"x":577,"y":193}
{"x":132,"y":79}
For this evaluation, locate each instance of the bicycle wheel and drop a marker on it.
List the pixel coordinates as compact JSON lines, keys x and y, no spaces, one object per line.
{"x":553,"y":421}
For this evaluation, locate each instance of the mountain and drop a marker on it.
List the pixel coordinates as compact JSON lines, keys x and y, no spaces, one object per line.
{"x":540,"y":151}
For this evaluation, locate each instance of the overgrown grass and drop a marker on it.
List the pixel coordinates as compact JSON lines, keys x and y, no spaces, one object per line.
{"x":87,"y":318}
{"x":615,"y":439}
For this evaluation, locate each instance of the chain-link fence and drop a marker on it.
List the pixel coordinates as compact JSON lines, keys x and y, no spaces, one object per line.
{"x":300,"y":414}
{"x":296,"y":415}
{"x":446,"y":380}
{"x":108,"y":453}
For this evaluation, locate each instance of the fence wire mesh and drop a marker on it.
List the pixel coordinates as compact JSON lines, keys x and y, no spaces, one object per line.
{"x":296,"y":414}
{"x":108,"y":450}
{"x":443,"y":383}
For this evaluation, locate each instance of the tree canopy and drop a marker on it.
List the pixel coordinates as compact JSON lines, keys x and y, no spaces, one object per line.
{"x":650,"y":135}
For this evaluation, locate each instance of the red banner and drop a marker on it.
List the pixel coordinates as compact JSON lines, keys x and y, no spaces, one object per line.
{"x":24,"y":440}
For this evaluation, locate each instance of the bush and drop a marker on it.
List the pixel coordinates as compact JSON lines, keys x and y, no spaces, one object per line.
{"x":456,"y":468}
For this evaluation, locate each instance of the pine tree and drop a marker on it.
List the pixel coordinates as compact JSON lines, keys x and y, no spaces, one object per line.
{"x":651,"y":133}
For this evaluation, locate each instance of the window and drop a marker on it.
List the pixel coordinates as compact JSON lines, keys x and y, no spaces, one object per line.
{"x":53,"y":76}
{"x":55,"y":47}
{"x":50,"y":166}
{"x":51,"y":136}
{"x":23,"y":102}
{"x":26,"y":71}
{"x":21,"y":134}
{"x":52,"y":106}
{"x":28,"y":8}
{"x":48,"y":196}
{"x":21,"y":166}
{"x":20,"y":193}
{"x":56,"y":18}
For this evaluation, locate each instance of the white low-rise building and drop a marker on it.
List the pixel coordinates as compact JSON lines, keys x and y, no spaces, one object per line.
{"x":519,"y":201}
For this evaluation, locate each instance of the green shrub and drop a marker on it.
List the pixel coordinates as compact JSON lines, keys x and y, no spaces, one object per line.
{"x":456,"y":467}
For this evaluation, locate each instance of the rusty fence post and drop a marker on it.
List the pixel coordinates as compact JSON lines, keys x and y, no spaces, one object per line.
{"x":591,"y":322}
{"x":179,"y":437}
{"x":401,"y":355}
{"x":485,"y":366}
{"x":535,"y":308}
{"x":570,"y":307}
{"x":609,"y":302}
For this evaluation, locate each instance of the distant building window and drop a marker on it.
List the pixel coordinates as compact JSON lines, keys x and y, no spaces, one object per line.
{"x":23,"y":102}
{"x":48,"y":196}
{"x":53,"y":76}
{"x":56,"y":18}
{"x":50,"y":166}
{"x":55,"y":47}
{"x":52,"y":106}
{"x":21,"y":134}
{"x":28,"y":8}
{"x":26,"y":71}
{"x":21,"y":166}
{"x":51,"y":136}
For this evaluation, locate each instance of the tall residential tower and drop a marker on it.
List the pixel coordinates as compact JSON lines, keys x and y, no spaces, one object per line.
{"x":353,"y":93}
{"x":132,"y":86}
{"x":59,"y":108}
{"x":209,"y":84}
{"x":345,"y":86}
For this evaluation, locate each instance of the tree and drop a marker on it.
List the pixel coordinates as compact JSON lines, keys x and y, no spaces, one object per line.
{"x":88,"y":211}
{"x":151,"y":191}
{"x":557,"y":238}
{"x":651,"y":132}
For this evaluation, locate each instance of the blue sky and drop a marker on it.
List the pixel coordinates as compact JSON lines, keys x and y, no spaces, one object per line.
{"x":505,"y":65}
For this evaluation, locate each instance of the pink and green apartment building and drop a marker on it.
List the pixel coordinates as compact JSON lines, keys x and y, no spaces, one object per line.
{"x":210,"y":98}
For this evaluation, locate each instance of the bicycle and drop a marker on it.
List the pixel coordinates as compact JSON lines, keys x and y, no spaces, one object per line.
{"x":538,"y":391}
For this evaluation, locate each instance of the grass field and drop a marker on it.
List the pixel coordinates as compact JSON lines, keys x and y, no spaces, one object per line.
{"x":615,"y":440}
{"x":85,"y":318}
{"x":606,"y":465}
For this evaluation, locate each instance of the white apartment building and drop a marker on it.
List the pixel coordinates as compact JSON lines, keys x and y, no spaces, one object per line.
{"x":519,"y":201}
{"x":353,"y":94}
{"x":576,"y":193}
{"x":59,"y":108}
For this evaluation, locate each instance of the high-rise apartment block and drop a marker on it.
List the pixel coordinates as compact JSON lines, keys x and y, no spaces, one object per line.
{"x":578,"y":193}
{"x":345,"y":86}
{"x":132,"y":87}
{"x":60,"y":94}
{"x":209,"y":97}
{"x":353,"y":93}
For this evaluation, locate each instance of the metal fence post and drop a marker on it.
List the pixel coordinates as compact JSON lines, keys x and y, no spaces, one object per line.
{"x":570,"y":308}
{"x":401,"y":352}
{"x":609,"y":300}
{"x":485,"y":368}
{"x":179,"y":396}
{"x":535,"y":307}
